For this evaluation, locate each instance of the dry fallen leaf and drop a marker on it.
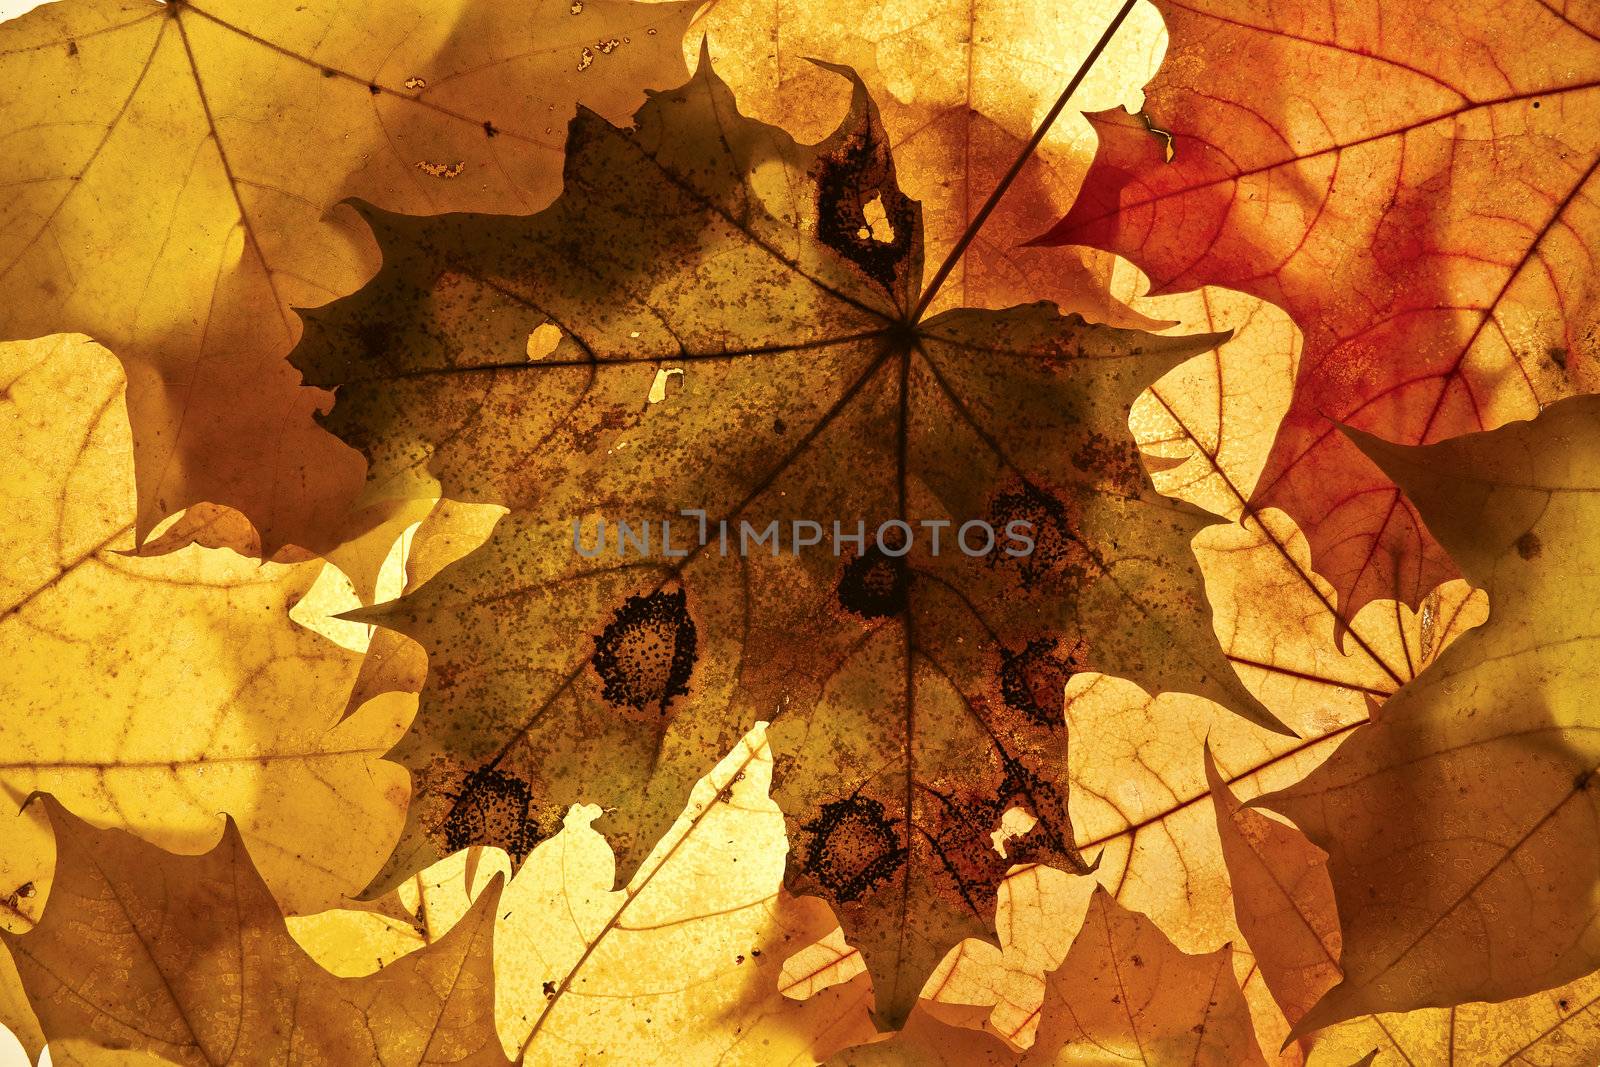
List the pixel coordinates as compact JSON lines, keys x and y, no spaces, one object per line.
{"x":684,"y":963}
{"x":1557,"y":1028}
{"x":1460,"y":824}
{"x":1126,"y":994}
{"x":153,"y":694}
{"x":704,"y":239}
{"x":172,"y":167}
{"x":1282,"y":898}
{"x":1431,"y":230}
{"x":1285,"y":900}
{"x":733,"y":320}
{"x":961,"y":85}
{"x":187,"y":957}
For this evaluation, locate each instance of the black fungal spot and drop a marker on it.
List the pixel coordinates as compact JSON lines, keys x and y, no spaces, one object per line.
{"x":549,"y":989}
{"x":1033,"y":680}
{"x":1057,"y":552}
{"x":1536,"y":105}
{"x":488,"y":128}
{"x":493,"y":808}
{"x":852,"y":847}
{"x":373,"y":89}
{"x":874,"y":584}
{"x":14,"y":899}
{"x":72,"y":48}
{"x":326,"y":73}
{"x":646,"y":653}
{"x":779,"y":426}
{"x":848,"y":178}
{"x":1529,"y":546}
{"x":1558,"y":356}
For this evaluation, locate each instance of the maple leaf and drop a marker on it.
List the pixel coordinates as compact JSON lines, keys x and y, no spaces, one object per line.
{"x":687,"y":962}
{"x":960,"y":85}
{"x":187,"y":957}
{"x":1425,"y":839}
{"x":173,"y":167}
{"x":1123,"y":994}
{"x":1282,"y":897}
{"x":152,"y":694}
{"x":1285,"y":903}
{"x":1434,"y":301}
{"x":713,"y":244}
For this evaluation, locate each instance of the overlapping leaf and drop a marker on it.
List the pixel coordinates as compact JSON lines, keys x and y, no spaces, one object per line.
{"x":1416,"y":185}
{"x":909,"y":715}
{"x":688,"y":962}
{"x":961,"y":85}
{"x":1460,"y":824}
{"x":1285,"y":902}
{"x":187,"y":957}
{"x":171,"y":171}
{"x":153,"y":694}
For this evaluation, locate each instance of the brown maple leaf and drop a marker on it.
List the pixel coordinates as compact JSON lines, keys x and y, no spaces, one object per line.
{"x":187,"y":957}
{"x":1416,"y":186}
{"x":1460,"y":823}
{"x":1285,"y":904}
{"x":1124,"y":994}
{"x":910,"y":713}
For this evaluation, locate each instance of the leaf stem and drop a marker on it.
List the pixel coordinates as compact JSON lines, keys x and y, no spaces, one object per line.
{"x":990,"y":204}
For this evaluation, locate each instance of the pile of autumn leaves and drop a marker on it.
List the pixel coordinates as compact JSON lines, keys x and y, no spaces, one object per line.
{"x":181,"y":178}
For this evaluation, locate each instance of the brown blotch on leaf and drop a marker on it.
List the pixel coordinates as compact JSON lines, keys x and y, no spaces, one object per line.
{"x":1529,"y":546}
{"x":493,"y":806}
{"x":1033,"y":680}
{"x":646,"y":653}
{"x":848,"y":178}
{"x":875,"y":584}
{"x":852,"y":847}
{"x":1057,"y":552}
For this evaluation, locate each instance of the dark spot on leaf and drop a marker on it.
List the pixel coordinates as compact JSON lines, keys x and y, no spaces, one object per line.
{"x":373,"y":89}
{"x":488,"y":128}
{"x":376,"y":337}
{"x":848,"y":178}
{"x":1529,"y":546}
{"x":852,"y":847}
{"x":1558,"y":356}
{"x":14,"y":899}
{"x":549,"y":989}
{"x":874,"y":584}
{"x":326,"y":73}
{"x":1057,"y":553}
{"x":493,"y":807}
{"x":646,"y":653}
{"x":779,"y":426}
{"x":72,"y":48}
{"x":1109,"y":461}
{"x":1033,"y":680}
